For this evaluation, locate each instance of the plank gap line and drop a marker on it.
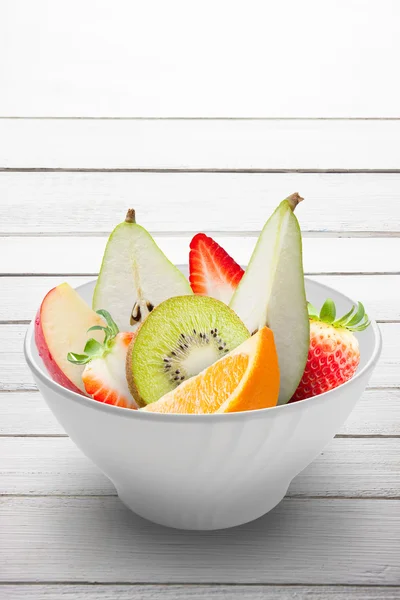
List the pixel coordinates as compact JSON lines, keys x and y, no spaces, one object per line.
{"x":370,"y":436}
{"x":289,"y":496}
{"x":34,"y":389}
{"x":193,"y":118}
{"x":227,"y":234}
{"x":307,"y":273}
{"x":28,"y":321}
{"x":193,"y":584}
{"x":188,"y":170}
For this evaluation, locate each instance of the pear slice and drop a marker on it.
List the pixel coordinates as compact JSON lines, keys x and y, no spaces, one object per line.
{"x":272,"y":293}
{"x":135,"y":276}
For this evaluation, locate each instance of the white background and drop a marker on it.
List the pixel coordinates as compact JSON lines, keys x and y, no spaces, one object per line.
{"x":199,"y":59}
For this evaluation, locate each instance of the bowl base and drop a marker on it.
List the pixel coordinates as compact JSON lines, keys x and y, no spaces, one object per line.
{"x":194,"y":521}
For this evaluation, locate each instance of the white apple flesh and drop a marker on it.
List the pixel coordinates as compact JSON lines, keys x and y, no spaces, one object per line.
{"x":272,"y":293}
{"x":61,"y":326}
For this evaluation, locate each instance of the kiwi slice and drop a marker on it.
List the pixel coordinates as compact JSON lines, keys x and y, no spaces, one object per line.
{"x":180,"y":337}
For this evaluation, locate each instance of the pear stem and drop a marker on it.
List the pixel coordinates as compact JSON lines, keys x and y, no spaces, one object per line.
{"x":130,"y":216}
{"x":294,"y":200}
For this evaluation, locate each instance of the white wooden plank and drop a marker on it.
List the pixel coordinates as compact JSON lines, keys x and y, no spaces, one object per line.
{"x":379,"y":293}
{"x":21,"y":296}
{"x":197,"y":144}
{"x":358,"y":468}
{"x":14,"y":370}
{"x":387,"y":371}
{"x":220,"y":60}
{"x":25,"y":413}
{"x":49,"y":466}
{"x":15,"y":374}
{"x":82,"y":255}
{"x":350,"y":468}
{"x":195,"y":592}
{"x":376,"y":413}
{"x":172,"y":202}
{"x":304,"y":541}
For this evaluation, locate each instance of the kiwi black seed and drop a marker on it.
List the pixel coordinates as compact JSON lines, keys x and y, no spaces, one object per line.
{"x":180,"y":337}
{"x":174,"y":362}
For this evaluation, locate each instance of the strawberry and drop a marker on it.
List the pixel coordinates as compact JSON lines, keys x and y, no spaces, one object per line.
{"x":334,"y":353}
{"x":104,"y":375}
{"x":212,"y":271}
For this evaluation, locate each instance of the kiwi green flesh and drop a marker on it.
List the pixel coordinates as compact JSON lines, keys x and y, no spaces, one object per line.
{"x":179,"y":339}
{"x":128,"y":371}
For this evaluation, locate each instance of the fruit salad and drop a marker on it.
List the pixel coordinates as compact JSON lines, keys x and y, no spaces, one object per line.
{"x":226,"y":340}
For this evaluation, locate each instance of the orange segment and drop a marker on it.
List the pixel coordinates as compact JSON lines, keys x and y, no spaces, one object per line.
{"x":246,"y":379}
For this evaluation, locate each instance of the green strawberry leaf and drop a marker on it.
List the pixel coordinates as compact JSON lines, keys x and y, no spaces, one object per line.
{"x":328,"y":311}
{"x":343,"y":320}
{"x":362,"y":327}
{"x":358,"y":317}
{"x":312,"y":311}
{"x":354,"y":320}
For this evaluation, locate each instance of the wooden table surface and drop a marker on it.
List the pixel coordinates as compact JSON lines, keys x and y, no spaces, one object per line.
{"x":63,"y":530}
{"x":207,"y":139}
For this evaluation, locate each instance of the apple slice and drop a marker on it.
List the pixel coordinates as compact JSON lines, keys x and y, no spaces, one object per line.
{"x":135,"y":276}
{"x":272,"y":293}
{"x":61,"y":326}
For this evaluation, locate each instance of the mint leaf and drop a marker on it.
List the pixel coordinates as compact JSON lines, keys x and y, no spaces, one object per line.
{"x":97,"y":328}
{"x":78,"y":359}
{"x":110,"y":321}
{"x":93,"y":348}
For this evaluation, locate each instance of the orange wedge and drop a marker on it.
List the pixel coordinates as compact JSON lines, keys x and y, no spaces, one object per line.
{"x":245,"y":379}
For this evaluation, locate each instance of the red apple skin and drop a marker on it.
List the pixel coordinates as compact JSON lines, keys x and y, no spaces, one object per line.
{"x":44,"y":353}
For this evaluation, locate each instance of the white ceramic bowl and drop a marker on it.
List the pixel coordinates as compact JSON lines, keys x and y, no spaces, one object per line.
{"x":206,"y":471}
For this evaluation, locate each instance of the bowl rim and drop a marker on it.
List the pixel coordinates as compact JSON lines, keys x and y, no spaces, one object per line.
{"x":139,"y":414}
